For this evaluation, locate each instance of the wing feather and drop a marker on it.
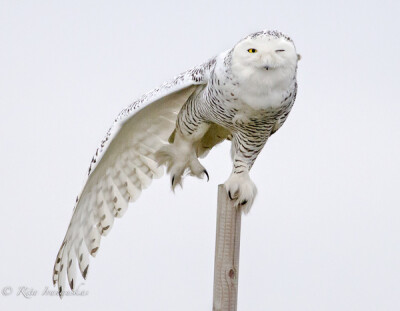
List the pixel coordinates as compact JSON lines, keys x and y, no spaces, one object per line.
{"x":122,"y":167}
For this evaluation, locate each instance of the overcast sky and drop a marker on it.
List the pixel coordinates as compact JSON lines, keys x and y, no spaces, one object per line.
{"x":323,"y":233}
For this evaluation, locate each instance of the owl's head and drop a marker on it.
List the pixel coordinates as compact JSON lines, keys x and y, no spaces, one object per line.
{"x":265,"y":55}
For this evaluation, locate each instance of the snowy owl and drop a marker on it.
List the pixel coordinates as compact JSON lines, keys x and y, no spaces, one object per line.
{"x":244,"y":95}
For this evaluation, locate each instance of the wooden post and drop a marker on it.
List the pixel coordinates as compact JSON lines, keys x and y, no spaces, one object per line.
{"x":227,"y":246}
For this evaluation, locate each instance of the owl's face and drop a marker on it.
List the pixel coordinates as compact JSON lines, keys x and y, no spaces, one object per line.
{"x":264,"y":57}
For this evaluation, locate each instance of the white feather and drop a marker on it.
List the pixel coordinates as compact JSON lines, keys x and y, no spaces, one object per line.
{"x":123,"y":165}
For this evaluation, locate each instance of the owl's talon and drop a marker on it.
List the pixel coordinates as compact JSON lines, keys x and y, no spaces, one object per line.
{"x":180,"y":161}
{"x":208,"y":177}
{"x":243,"y":189}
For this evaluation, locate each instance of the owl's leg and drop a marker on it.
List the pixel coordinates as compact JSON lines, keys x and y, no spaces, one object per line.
{"x":239,"y":186}
{"x":180,"y":155}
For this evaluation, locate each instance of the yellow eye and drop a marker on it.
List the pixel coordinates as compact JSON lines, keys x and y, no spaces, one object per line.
{"x":252,"y":50}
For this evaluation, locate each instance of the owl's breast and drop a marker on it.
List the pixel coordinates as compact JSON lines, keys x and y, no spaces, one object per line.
{"x":264,"y":99}
{"x":258,"y":94}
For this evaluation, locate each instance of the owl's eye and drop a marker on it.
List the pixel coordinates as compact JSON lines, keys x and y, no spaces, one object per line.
{"x":279,"y":51}
{"x":252,"y":50}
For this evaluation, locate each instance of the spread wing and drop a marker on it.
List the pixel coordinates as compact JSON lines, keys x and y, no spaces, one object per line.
{"x":123,"y":165}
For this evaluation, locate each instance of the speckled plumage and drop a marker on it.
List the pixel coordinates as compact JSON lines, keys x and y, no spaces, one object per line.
{"x":236,"y":96}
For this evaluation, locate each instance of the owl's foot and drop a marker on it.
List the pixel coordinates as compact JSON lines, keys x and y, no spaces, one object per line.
{"x":242,"y":190}
{"x":179,"y":162}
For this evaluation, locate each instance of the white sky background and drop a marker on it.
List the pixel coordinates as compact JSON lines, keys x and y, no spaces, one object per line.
{"x":323,"y":233}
